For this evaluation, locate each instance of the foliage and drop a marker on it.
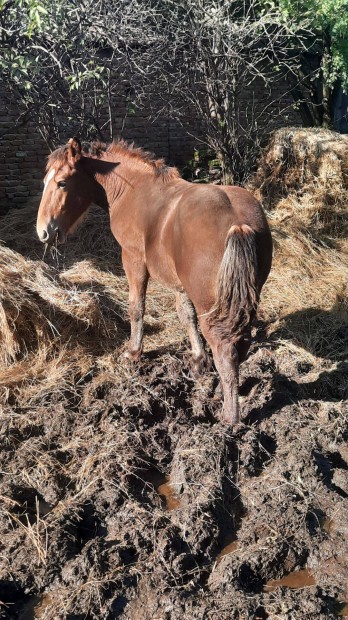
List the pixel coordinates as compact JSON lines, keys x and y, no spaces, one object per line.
{"x":66,"y":61}
{"x":321,"y":34}
{"x":326,"y":17}
{"x":56,"y":62}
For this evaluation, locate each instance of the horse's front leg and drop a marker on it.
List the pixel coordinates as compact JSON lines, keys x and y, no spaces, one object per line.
{"x":137,"y":276}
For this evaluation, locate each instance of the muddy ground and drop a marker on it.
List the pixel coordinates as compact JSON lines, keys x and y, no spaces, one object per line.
{"x":88,"y":532}
{"x":121,"y":494}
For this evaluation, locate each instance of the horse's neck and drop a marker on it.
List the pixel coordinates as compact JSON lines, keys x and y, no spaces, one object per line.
{"x":118,"y":184}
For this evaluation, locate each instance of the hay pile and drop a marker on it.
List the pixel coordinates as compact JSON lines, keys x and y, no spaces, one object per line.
{"x":304,"y":172}
{"x":302,"y":181}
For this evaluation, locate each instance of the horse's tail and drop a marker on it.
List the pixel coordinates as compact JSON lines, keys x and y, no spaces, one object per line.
{"x":237,"y":295}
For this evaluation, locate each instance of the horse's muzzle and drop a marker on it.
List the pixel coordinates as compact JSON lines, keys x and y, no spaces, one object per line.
{"x":50,"y":234}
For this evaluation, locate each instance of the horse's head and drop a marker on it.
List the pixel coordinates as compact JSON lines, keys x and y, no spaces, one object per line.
{"x":68,"y":192}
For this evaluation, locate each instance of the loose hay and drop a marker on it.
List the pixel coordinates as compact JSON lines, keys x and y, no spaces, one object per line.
{"x":87,"y":441}
{"x":302,"y":182}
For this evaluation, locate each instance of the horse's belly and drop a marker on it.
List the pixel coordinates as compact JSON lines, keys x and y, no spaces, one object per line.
{"x":162,"y":269}
{"x":159,"y":248}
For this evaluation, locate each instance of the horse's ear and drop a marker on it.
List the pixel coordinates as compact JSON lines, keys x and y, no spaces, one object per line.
{"x":74,"y":151}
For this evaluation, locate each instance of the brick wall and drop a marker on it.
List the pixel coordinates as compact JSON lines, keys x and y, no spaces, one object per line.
{"x":22,"y":153}
{"x":23,"y":150}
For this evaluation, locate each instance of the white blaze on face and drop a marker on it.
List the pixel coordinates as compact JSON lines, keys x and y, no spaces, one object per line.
{"x":48,"y":179}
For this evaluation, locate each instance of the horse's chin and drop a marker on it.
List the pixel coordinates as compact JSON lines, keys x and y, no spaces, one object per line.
{"x":73,"y":228}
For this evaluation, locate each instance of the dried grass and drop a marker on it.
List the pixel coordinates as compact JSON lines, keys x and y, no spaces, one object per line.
{"x":302,"y":181}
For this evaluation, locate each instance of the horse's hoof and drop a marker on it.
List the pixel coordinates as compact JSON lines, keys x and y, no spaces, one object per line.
{"x":229,"y":421}
{"x":200,"y":364}
{"x":238,"y":427}
{"x":231,"y":418}
{"x":233,"y":424}
{"x":131,"y":355}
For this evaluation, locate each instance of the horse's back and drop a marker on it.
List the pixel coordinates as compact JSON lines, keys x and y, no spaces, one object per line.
{"x":191,"y":219}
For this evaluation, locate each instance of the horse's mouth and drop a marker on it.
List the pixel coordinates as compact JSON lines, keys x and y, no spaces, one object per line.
{"x":58,"y":238}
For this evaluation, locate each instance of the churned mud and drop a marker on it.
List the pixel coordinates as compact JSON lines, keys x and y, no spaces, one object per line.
{"x":133,"y":502}
{"x":121,"y":495}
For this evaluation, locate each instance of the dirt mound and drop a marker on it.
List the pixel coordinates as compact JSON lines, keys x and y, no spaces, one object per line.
{"x":121,"y":496}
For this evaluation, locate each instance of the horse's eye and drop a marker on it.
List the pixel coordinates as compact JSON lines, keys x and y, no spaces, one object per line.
{"x":61,"y":183}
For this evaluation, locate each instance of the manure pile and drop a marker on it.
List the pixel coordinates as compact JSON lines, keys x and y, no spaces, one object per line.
{"x":121,"y":496}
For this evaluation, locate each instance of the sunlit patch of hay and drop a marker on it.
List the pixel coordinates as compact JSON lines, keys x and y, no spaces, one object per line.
{"x":304,"y":274}
{"x":30,"y":292}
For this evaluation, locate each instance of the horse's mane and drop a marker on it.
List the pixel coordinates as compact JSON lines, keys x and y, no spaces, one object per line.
{"x":117,"y":148}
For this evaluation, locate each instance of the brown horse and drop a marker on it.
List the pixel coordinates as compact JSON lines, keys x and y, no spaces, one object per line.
{"x":211,"y":244}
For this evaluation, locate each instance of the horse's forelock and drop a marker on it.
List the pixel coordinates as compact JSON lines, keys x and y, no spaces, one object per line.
{"x":57,"y":158}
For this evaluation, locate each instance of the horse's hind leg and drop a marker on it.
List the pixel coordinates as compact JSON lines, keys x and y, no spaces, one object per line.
{"x":188,"y":317}
{"x":137,"y":276}
{"x":227,"y":364}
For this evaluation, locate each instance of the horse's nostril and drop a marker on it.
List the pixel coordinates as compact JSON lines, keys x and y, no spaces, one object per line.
{"x":44,"y":235}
